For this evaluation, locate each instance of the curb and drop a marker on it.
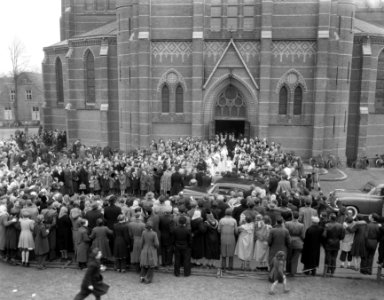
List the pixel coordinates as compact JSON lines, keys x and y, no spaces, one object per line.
{"x":341,"y":178}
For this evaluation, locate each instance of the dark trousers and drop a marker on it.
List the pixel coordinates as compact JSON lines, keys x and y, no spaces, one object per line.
{"x":147,"y":274}
{"x":381,"y":253}
{"x":330,"y":260}
{"x":84,"y":293}
{"x":310,"y":270}
{"x":41,"y":259}
{"x":120,"y":263}
{"x":368,"y":261}
{"x":293,"y":260}
{"x":166,"y":254}
{"x":346,"y":255}
{"x":182,"y":256}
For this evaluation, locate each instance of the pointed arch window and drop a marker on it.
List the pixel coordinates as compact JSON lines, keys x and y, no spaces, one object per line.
{"x":283,"y":101}
{"x":59,"y":81}
{"x":165,"y":99}
{"x":179,"y":99}
{"x":379,"y":95}
{"x":90,"y":90}
{"x":297,"y":101}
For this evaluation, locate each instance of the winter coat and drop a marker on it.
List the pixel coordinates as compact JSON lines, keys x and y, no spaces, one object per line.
{"x":41,"y":239}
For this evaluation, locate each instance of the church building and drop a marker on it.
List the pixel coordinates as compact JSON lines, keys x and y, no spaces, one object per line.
{"x":308,"y":74}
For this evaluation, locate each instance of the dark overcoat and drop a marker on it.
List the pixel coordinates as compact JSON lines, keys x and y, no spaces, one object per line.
{"x":310,"y":256}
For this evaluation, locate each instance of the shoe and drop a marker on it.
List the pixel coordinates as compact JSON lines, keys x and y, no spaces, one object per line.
{"x":271,"y":292}
{"x":286,"y":291}
{"x":27,"y":264}
{"x":342,"y":266}
{"x":142,"y":279}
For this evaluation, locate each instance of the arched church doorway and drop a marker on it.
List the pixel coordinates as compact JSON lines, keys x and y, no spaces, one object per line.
{"x":230,"y":113}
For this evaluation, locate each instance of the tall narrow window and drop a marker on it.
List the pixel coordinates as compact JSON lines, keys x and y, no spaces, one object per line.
{"x":165,"y":99}
{"x":28,"y":94}
{"x":90,"y":95}
{"x":89,"y":4}
{"x":379,"y":96}
{"x":59,"y":81}
{"x":179,"y":99}
{"x":12,"y":95}
{"x":100,"y":5}
{"x":297,"y":101}
{"x":283,"y":101}
{"x":216,"y":14}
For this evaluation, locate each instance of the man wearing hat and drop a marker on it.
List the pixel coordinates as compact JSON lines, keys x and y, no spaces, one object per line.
{"x":310,"y":256}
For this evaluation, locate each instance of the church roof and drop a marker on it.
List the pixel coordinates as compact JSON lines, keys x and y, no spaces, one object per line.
{"x":368,"y":28}
{"x":105,"y":30}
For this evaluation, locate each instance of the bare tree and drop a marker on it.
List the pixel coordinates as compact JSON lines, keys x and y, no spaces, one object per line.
{"x":19,"y":65}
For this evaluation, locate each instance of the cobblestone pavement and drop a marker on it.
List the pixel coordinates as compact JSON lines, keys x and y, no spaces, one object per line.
{"x":55,"y":283}
{"x":23,"y":283}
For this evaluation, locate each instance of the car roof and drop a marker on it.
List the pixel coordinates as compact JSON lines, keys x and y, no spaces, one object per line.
{"x":237,"y":180}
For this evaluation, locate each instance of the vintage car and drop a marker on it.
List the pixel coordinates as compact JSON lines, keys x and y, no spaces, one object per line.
{"x":222,"y":186}
{"x":366,"y":200}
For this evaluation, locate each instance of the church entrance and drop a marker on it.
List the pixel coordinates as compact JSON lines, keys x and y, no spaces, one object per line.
{"x":230,"y":126}
{"x":230,"y":113}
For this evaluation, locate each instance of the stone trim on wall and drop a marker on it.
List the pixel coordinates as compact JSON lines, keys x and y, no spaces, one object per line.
{"x":294,"y":50}
{"x":173,"y":50}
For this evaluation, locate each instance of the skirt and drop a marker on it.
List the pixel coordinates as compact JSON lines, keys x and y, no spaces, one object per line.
{"x":26,"y":240}
{"x":261,"y":252}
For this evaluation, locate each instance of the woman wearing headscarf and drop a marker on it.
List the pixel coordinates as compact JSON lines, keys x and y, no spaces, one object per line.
{"x":262,"y":228}
{"x":211,"y":240}
{"x":26,"y":242}
{"x":41,"y":241}
{"x":148,"y":256}
{"x":64,"y":233}
{"x":198,"y":230}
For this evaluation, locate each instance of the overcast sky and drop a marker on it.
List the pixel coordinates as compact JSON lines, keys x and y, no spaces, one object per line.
{"x":36,"y":23}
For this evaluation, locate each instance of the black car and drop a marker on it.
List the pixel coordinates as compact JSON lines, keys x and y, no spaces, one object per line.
{"x":222,"y":186}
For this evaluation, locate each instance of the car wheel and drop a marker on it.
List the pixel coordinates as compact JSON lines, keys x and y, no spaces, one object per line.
{"x":354,"y":210}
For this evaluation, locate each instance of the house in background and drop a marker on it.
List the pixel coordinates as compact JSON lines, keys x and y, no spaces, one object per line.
{"x":25,"y":110}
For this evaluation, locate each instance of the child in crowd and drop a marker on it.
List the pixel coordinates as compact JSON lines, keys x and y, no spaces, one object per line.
{"x":276,"y":274}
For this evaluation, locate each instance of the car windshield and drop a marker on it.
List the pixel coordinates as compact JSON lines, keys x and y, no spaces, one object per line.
{"x":368,"y":187}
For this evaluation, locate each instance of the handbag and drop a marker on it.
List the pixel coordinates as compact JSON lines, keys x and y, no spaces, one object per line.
{"x":100,"y":289}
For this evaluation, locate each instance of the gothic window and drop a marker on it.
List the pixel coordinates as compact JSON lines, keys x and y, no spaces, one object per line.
{"x":59,"y":81}
{"x":297,"y":100}
{"x":90,"y":90}
{"x":179,"y":99}
{"x":283,"y":101}
{"x":230,"y":104}
{"x":165,"y":99}
{"x":379,"y":96}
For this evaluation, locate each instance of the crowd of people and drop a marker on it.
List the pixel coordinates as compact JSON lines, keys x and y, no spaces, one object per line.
{"x":131,"y":206}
